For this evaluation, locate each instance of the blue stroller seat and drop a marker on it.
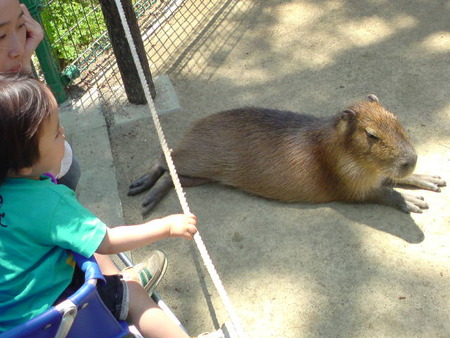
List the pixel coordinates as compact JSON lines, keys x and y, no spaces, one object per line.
{"x":81,"y":315}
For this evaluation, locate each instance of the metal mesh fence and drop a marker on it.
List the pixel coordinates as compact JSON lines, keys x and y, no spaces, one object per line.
{"x":77,"y":31}
{"x":169,"y":28}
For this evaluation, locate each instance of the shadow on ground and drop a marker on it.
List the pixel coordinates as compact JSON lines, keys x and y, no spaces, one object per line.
{"x":292,"y":270}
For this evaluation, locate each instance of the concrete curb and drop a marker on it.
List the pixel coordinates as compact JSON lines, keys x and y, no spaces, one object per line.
{"x":87,"y":133}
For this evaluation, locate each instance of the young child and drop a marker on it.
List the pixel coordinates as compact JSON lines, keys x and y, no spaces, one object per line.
{"x":20,"y":35}
{"x":40,"y":221}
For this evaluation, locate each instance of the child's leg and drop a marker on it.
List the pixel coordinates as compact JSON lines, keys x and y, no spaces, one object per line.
{"x":106,"y":264}
{"x":148,"y":272}
{"x":148,"y":318}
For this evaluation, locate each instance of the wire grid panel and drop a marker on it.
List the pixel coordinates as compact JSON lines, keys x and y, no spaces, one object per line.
{"x":80,"y":42}
{"x":169,"y":36}
{"x":77,"y":31}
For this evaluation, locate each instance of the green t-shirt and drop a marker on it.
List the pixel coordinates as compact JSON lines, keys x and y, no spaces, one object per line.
{"x":39,"y":222}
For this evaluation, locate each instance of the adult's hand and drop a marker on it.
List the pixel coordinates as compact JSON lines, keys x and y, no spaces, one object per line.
{"x":35,"y":34}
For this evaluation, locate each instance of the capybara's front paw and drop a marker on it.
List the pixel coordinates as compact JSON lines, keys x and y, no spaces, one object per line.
{"x":414,"y":203}
{"x":428,"y":182}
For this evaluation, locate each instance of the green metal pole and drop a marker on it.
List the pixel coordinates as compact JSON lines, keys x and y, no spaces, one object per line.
{"x":44,"y":54}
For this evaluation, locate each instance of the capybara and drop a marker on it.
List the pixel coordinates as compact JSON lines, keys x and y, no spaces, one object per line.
{"x":354,"y":156}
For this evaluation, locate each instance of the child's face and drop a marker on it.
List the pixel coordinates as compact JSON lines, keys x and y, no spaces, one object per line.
{"x":51,"y":144}
{"x":13,"y":35}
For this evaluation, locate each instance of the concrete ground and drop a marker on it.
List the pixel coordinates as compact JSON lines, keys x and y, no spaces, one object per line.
{"x":295,"y":270}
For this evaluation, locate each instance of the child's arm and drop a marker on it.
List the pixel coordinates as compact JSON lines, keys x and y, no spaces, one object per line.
{"x":35,"y":34}
{"x":130,"y":237}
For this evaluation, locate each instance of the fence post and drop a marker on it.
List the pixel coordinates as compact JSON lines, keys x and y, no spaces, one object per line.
{"x":44,"y":54}
{"x":130,"y":76}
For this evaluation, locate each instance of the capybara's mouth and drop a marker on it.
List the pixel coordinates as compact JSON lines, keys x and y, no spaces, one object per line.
{"x":401,"y":171}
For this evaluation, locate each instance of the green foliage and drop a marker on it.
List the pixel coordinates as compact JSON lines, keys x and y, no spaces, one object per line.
{"x":71,"y":26}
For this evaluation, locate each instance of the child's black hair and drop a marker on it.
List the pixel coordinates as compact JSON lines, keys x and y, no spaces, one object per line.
{"x":24,"y":104}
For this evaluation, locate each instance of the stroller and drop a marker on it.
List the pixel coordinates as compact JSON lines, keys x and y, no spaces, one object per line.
{"x":83,"y":314}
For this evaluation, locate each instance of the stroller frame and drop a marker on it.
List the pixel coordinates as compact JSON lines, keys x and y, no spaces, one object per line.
{"x":80,"y":314}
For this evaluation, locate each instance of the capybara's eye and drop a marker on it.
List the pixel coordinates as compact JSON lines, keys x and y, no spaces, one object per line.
{"x":370,"y":134}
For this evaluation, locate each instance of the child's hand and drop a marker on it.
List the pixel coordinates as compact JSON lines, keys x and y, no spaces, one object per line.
{"x":181,"y":225}
{"x":35,"y":34}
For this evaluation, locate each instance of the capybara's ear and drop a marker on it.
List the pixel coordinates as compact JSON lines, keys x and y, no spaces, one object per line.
{"x":373,"y":98}
{"x":348,"y":115}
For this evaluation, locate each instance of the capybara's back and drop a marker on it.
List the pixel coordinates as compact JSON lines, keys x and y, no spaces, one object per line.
{"x":262,"y":151}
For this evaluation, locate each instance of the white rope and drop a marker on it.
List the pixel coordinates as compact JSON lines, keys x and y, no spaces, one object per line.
{"x":179,"y":190}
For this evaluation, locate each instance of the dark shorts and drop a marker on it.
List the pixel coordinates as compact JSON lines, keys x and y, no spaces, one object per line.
{"x":113,"y":293}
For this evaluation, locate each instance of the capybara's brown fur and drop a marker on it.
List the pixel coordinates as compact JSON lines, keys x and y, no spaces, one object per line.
{"x":292,"y":157}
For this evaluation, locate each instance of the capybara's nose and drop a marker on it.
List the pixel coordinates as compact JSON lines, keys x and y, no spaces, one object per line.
{"x":408,"y":165}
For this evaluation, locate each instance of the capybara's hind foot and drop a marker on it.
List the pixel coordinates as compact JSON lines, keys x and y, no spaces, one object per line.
{"x":157,"y":193}
{"x":147,"y":181}
{"x":139,"y":185}
{"x":146,"y":208}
